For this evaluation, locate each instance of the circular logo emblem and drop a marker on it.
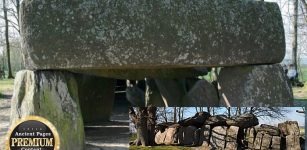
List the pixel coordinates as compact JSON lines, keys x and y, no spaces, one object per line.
{"x":33,"y":133}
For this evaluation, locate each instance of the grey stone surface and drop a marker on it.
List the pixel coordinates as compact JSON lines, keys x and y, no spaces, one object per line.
{"x":266,"y":141}
{"x":159,"y":138}
{"x":172,"y":91}
{"x":289,"y":128}
{"x":139,"y":74}
{"x":205,"y":135}
{"x":251,"y":86}
{"x":231,"y":138}
{"x":275,"y":142}
{"x":152,"y":94}
{"x":96,"y":95}
{"x":188,"y":135}
{"x":89,"y":34}
{"x":202,"y":93}
{"x":268,"y":129}
{"x":250,"y":137}
{"x":258,"y":140}
{"x":243,"y":121}
{"x":218,"y":135}
{"x":197,"y":120}
{"x":54,"y":96}
{"x":217,"y":120}
{"x":170,"y":137}
{"x":293,"y":142}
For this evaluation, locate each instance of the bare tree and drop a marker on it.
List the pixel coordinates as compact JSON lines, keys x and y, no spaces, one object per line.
{"x":145,"y":121}
{"x":267,"y":112}
{"x":175,"y":115}
{"x":294,"y":42}
{"x":151,"y":124}
{"x":304,"y":4}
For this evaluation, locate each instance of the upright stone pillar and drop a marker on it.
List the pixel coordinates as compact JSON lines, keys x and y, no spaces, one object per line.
{"x":276,"y":142}
{"x":52,"y":95}
{"x":258,"y":140}
{"x":96,"y":96}
{"x":231,"y":138}
{"x":218,"y":135}
{"x":266,"y":141}
{"x":250,"y":136}
{"x":262,"y":85}
{"x":202,"y":93}
{"x":152,"y":95}
{"x":205,"y":135}
{"x":172,"y":91}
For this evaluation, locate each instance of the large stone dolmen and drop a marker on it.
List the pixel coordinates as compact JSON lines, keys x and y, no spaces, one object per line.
{"x":221,"y":132}
{"x":164,"y":41}
{"x":75,"y":50}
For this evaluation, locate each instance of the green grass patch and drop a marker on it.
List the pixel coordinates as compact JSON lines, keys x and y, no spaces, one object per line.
{"x":6,"y":85}
{"x":132,"y":136}
{"x":304,"y":73}
{"x":302,"y":132}
{"x":298,"y":92}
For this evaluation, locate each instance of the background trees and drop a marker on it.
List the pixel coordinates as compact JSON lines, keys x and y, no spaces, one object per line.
{"x":10,"y":52}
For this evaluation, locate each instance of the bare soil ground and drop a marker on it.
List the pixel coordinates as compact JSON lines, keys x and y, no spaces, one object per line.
{"x":111,"y":135}
{"x":5,"y":107}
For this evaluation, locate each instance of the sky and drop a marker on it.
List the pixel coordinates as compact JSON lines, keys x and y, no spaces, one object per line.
{"x":286,"y":7}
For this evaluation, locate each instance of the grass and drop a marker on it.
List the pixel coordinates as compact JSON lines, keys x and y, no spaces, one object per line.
{"x":302,"y":131}
{"x":301,"y":93}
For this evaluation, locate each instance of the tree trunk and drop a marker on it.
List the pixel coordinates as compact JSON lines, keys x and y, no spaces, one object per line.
{"x":175,"y":115}
{"x":151,"y":123}
{"x":165,"y":115}
{"x":294,"y":42}
{"x":141,"y":125}
{"x":10,"y":75}
{"x":134,"y":120}
{"x":304,"y":4}
{"x":179,"y":112}
{"x":17,"y":9}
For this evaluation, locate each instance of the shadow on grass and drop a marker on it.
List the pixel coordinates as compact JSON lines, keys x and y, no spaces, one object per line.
{"x":5,"y":96}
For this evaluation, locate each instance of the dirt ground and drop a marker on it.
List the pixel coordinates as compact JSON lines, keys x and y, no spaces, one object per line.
{"x":5,"y":107}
